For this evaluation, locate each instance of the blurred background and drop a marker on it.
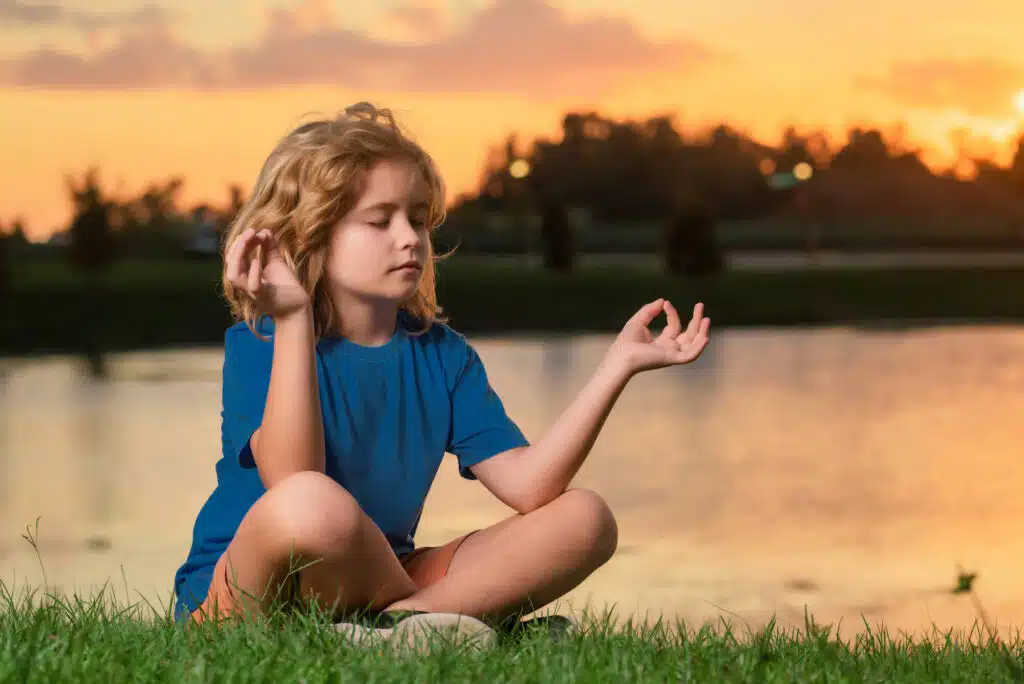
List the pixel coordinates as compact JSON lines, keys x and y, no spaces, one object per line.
{"x":841,"y":183}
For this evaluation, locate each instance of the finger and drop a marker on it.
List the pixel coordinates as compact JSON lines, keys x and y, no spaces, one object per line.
{"x":271,"y":247}
{"x":705,"y":327}
{"x":694,"y":324}
{"x":691,"y":349}
{"x":255,"y":271}
{"x":234,"y":257}
{"x":674,"y":326}
{"x":231,"y":253}
{"x":646,"y":314}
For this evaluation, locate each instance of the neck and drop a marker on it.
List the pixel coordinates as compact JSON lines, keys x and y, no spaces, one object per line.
{"x":365,"y":323}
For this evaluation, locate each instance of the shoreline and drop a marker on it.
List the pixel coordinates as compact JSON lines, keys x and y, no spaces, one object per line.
{"x":172,"y":303}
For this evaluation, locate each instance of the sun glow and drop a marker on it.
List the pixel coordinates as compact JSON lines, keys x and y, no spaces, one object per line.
{"x":1018,"y":101}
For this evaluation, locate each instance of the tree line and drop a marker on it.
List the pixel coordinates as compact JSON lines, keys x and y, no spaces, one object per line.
{"x":642,"y":169}
{"x":614,"y":171}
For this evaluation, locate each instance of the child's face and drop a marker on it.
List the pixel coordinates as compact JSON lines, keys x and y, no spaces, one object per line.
{"x":378,"y":250}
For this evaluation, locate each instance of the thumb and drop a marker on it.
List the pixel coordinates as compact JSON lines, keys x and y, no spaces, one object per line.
{"x":646,"y":314}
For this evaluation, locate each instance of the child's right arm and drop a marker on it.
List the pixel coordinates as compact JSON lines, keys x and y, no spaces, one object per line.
{"x":290,"y":438}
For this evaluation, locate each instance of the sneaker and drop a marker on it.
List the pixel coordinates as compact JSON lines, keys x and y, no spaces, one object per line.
{"x":417,"y":629}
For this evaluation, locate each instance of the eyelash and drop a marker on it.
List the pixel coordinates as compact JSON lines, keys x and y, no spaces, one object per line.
{"x":386,"y":222}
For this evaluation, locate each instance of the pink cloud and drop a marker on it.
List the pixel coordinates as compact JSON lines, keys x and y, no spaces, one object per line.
{"x":43,"y":13}
{"x":524,"y":47}
{"x":418,"y":18}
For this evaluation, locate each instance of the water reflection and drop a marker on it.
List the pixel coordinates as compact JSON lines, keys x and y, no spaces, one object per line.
{"x":844,"y":470}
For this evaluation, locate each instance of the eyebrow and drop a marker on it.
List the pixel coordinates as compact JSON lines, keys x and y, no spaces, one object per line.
{"x":391,"y":206}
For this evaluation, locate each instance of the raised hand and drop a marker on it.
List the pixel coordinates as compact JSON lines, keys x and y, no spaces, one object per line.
{"x":638,"y":350}
{"x":254,"y":265}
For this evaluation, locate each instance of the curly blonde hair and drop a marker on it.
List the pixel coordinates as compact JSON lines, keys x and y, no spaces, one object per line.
{"x":312,"y":178}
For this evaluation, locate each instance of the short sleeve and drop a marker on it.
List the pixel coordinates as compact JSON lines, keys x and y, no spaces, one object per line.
{"x":246,"y":380}
{"x":480,"y":427}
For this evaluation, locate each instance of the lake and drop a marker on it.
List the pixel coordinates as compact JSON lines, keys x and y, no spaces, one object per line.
{"x":847,"y":471}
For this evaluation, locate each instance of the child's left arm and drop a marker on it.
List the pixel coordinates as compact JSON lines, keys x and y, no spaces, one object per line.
{"x":530,"y":477}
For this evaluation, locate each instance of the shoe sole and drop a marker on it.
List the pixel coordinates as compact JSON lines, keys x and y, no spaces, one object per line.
{"x":419,"y":632}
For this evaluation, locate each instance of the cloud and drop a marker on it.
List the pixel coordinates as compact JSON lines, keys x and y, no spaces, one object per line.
{"x":47,"y":13}
{"x":309,"y":16}
{"x":525,"y":47}
{"x":530,"y":47}
{"x":142,"y":58}
{"x":416,"y":17}
{"x":982,"y":87}
{"x":15,"y":11}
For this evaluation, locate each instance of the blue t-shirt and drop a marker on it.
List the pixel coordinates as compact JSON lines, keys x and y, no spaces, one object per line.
{"x":390,"y":413}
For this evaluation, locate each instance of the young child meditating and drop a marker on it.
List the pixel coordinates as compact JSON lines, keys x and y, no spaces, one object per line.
{"x":343,"y":390}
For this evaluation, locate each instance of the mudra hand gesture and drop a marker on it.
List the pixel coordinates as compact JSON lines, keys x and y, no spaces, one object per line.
{"x":637,"y":349}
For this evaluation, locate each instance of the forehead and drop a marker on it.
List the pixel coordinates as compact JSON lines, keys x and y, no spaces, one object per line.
{"x":397,"y":182}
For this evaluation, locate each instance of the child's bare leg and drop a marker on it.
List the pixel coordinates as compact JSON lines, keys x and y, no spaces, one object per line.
{"x":307,"y":518}
{"x":526,"y":561}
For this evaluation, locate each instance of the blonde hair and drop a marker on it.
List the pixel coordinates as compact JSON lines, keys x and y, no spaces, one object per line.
{"x":312,"y":178}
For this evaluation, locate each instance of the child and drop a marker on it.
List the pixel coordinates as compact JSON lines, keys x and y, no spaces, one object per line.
{"x":343,"y":390}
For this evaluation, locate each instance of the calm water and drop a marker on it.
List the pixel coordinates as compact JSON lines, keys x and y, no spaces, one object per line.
{"x":845,"y":470}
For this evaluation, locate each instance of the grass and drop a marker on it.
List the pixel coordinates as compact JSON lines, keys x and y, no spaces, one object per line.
{"x":90,"y":641}
{"x":53,"y":638}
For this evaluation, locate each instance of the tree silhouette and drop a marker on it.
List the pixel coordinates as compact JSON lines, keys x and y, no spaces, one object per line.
{"x":1016,"y":170}
{"x":235,"y":202}
{"x":92,"y":240}
{"x":13,"y":244}
{"x":91,"y":251}
{"x":865,"y":150}
{"x":556,"y":233}
{"x":156,"y":207}
{"x":5,"y":262}
{"x":796,"y":149}
{"x":637,"y":170}
{"x":690,"y":245}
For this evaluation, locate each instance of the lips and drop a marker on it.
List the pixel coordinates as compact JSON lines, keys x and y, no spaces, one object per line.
{"x":408,"y":265}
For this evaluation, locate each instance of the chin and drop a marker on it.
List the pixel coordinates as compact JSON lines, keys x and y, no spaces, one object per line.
{"x":409,"y":290}
{"x":398,"y":296}
{"x":406,"y":296}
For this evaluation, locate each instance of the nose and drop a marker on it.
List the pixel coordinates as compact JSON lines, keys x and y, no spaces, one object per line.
{"x":406,"y":235}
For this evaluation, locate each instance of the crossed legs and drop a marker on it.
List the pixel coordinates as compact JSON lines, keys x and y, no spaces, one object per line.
{"x":308,"y":521}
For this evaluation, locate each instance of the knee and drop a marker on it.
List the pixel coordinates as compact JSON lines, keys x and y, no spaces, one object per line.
{"x":592,"y":523}
{"x":311,"y":516}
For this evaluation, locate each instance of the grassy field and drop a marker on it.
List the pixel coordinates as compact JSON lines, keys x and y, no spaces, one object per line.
{"x":140,"y":304}
{"x":51,"y":637}
{"x":65,"y":640}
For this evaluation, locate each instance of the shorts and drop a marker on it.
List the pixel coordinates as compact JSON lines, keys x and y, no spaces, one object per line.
{"x":425,"y":566}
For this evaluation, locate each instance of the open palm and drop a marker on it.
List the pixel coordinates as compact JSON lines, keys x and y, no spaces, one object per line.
{"x":641,"y":350}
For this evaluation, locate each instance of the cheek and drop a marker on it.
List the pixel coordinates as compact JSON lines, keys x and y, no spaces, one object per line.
{"x":339,"y":259}
{"x":352,"y":258}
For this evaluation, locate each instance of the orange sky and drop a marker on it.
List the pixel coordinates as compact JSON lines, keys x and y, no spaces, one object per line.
{"x":149,"y":91}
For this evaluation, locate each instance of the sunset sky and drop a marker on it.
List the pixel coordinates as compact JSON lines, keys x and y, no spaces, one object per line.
{"x":202,"y":88}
